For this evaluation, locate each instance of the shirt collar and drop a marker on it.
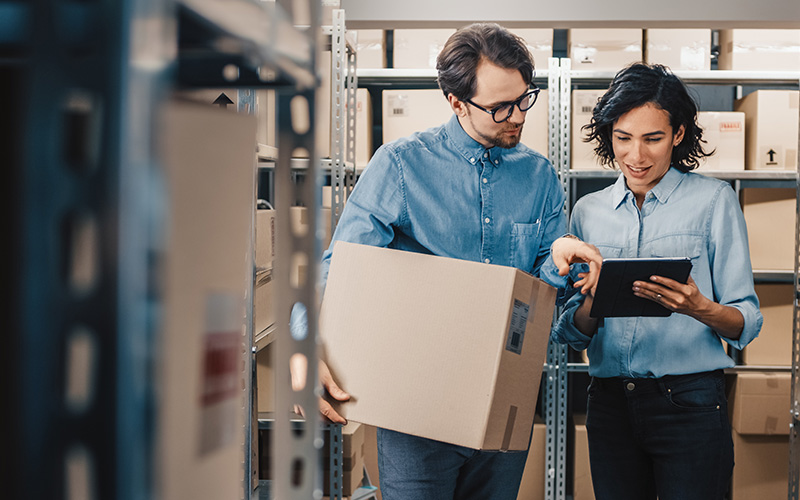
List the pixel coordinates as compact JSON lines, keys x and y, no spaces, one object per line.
{"x":469,"y":148}
{"x":661,"y":191}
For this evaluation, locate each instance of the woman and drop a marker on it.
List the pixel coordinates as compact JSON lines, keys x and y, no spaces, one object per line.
{"x":657,"y":417}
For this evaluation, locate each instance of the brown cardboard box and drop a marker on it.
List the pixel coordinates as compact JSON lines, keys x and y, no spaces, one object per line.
{"x":265,"y":238}
{"x":773,"y":346}
{"x":539,"y":43}
{"x":582,"y":155}
{"x":369,"y":48}
{"x":266,"y":105}
{"x":535,"y":132}
{"x":208,"y":157}
{"x":604,"y":49}
{"x":263,"y":301}
{"x":409,"y":111}
{"x":759,"y":403}
{"x":353,"y":435}
{"x":771,"y":128}
{"x":724,"y":134}
{"x":265,"y":380}
{"x":759,"y":50}
{"x":441,"y":348}
{"x":419,"y":48}
{"x":363,"y":127}
{"x":770,"y":217}
{"x":582,"y":485}
{"x":678,"y":49}
{"x":533,"y":477}
{"x":760,"y":471}
{"x":371,"y":456}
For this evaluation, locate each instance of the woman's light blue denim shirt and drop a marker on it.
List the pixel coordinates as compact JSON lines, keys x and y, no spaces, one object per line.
{"x":685,"y":215}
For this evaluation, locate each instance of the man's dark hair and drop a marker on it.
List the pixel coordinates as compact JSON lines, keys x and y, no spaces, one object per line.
{"x":458,"y":60}
{"x":635,"y":86}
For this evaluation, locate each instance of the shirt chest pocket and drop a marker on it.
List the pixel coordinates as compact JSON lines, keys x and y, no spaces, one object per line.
{"x":677,"y":246}
{"x":525,"y":241}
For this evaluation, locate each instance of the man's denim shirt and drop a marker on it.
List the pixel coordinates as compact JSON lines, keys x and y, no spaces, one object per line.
{"x":441,"y":192}
{"x":685,"y":215}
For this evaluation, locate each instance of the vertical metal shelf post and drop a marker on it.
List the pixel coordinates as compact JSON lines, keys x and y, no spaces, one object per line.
{"x":794,"y":439}
{"x":339,"y":62}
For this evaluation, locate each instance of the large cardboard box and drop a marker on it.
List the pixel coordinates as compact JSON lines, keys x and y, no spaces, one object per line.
{"x":582,"y":155}
{"x":773,"y":346}
{"x":419,"y":48}
{"x":209,"y":158}
{"x":759,"y":405}
{"x":539,"y":43}
{"x":770,"y":217}
{"x":759,"y":50}
{"x":604,"y":49}
{"x":678,"y":49}
{"x":771,"y":118}
{"x":533,"y":477}
{"x":363,"y":127}
{"x":265,"y":238}
{"x":265,"y":380}
{"x":370,"y":52}
{"x":536,"y":132}
{"x":724,"y":134}
{"x":409,"y":111}
{"x":582,"y":488}
{"x":263,"y":301}
{"x":441,"y":348}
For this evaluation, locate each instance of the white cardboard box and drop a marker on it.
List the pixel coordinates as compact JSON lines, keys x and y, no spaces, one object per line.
{"x":724,"y":133}
{"x":604,"y":49}
{"x":759,"y":50}
{"x":582,"y":155}
{"x":446,"y":349}
{"x":679,"y":49}
{"x":419,"y":48}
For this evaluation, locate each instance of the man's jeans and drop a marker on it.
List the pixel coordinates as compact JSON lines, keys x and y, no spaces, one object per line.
{"x":414,"y":468}
{"x":666,"y":437}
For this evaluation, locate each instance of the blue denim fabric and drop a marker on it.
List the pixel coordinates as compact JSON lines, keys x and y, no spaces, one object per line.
{"x":685,"y":215}
{"x":666,"y":437}
{"x":415,"y":468}
{"x":441,"y":192}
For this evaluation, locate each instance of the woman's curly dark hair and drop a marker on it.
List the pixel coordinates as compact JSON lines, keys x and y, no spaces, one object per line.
{"x":635,"y":86}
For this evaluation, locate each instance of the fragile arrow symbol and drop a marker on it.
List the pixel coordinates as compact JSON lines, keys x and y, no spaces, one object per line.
{"x":223,"y":100}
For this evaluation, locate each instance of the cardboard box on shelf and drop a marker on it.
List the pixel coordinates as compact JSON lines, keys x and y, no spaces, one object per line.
{"x":759,"y":403}
{"x":409,"y":111}
{"x":363,"y":127}
{"x":770,"y":217}
{"x":353,"y":436}
{"x":604,"y":49}
{"x":370,"y":52}
{"x":536,"y":132}
{"x":772,"y":347}
{"x":759,"y":50}
{"x":371,"y":456}
{"x":263,"y":301}
{"x":582,"y":155}
{"x":208,"y":164}
{"x":582,"y":488}
{"x":724,"y":134}
{"x":265,"y":380}
{"x":422,"y":352}
{"x":266,"y":105}
{"x":539,"y":43}
{"x":419,"y":48}
{"x":770,"y":128}
{"x":533,"y":476}
{"x":678,"y":49}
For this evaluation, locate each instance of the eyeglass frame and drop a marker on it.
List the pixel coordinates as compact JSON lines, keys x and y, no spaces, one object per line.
{"x":516,"y":102}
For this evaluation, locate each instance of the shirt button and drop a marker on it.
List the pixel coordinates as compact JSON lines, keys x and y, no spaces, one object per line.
{"x":485,"y":180}
{"x":487,"y":220}
{"x":496,"y":162}
{"x":486,"y":154}
{"x":472,"y":160}
{"x":631,"y":386}
{"x":487,"y":260}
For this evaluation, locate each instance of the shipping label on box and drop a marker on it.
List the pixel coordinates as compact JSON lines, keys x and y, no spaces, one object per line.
{"x":724,"y":134}
{"x":582,"y":153}
{"x":759,"y":403}
{"x":431,"y":346}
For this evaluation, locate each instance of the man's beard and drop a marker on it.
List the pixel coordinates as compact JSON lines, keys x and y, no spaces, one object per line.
{"x":502,"y":140}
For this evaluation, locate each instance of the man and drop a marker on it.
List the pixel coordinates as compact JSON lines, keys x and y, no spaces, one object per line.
{"x":468,"y":190}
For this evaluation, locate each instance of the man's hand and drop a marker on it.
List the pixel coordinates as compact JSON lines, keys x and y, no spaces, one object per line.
{"x":571,"y":250}
{"x":330,"y":386}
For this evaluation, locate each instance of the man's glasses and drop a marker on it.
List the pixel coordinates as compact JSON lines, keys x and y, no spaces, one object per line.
{"x":503,"y":111}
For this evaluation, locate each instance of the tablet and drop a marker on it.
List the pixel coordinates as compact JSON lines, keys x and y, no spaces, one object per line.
{"x":614,"y":294}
